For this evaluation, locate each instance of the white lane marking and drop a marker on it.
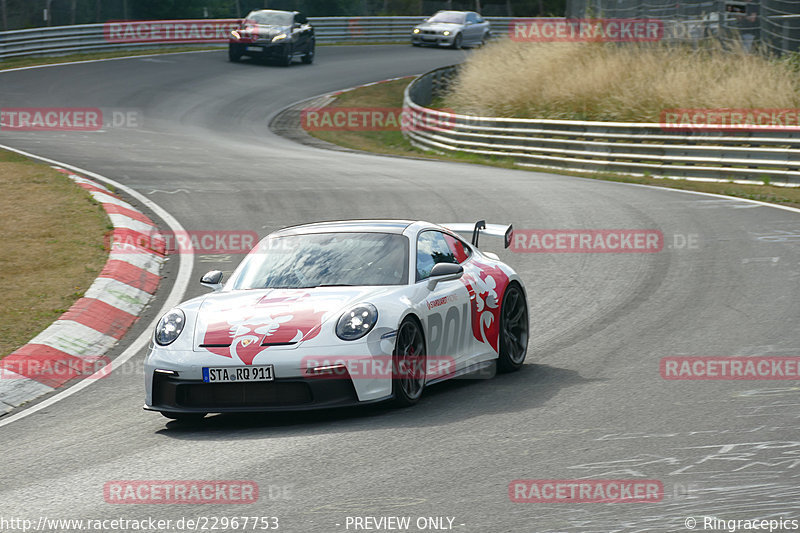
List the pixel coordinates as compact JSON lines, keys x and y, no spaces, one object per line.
{"x":108,"y":59}
{"x":176,"y":294}
{"x":766,"y":204}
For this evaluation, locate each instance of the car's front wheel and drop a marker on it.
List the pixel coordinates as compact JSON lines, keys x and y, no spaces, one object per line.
{"x":409,"y":362}
{"x":235,"y":53}
{"x":308,"y":57}
{"x":183,"y":417}
{"x":513,"y":341}
{"x":458,"y":40}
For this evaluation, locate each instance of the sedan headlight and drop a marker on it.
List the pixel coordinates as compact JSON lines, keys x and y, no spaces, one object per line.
{"x":236,"y":35}
{"x":279,"y":37}
{"x":356,"y":322}
{"x":416,"y":30}
{"x":170,"y":327}
{"x":446,"y":33}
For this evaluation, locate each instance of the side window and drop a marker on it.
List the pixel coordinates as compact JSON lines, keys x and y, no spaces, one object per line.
{"x":472,"y":17}
{"x":460,"y":251}
{"x":432,"y":248}
{"x":300,"y":18}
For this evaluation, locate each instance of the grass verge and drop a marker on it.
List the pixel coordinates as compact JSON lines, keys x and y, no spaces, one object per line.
{"x":51,"y":234}
{"x":390,"y":95}
{"x":33,"y":61}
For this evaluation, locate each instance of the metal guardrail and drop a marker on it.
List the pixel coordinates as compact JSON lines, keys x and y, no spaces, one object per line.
{"x":93,"y":38}
{"x":639,"y":149}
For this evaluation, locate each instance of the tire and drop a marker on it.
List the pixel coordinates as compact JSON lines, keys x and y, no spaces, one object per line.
{"x":485,"y":38}
{"x":416,"y":44}
{"x":308,"y":57}
{"x":458,"y":40}
{"x":235,"y":53}
{"x":286,"y":59}
{"x":183,"y":417}
{"x":513,"y":341}
{"x":409,"y":362}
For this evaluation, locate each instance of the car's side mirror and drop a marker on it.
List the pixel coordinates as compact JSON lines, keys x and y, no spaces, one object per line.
{"x":212,"y":280}
{"x":444,"y":272}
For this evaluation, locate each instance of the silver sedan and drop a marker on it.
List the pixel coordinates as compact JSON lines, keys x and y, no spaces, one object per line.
{"x":452,"y":28}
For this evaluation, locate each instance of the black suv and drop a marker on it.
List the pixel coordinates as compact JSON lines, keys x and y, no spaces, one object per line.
{"x":270,"y":34}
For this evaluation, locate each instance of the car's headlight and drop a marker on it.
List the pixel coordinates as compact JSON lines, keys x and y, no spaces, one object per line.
{"x":356,"y":322}
{"x":279,"y":37}
{"x":446,"y":33}
{"x":236,"y":34}
{"x":170,"y":327}
{"x":416,"y":30}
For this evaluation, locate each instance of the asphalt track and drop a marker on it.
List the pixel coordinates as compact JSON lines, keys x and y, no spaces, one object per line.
{"x":589,"y":403}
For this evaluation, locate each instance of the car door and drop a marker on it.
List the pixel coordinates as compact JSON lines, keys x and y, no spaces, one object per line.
{"x":445,"y":310}
{"x":472,"y":29}
{"x":303,"y":29}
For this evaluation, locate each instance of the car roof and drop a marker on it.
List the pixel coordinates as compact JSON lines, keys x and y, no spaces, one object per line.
{"x":353,"y":226}
{"x":273,"y":11}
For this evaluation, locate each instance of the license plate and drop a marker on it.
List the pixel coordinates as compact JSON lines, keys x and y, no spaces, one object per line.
{"x":254,"y":49}
{"x":233,"y":374}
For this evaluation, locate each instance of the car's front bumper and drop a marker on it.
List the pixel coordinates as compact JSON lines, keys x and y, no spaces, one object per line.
{"x":290,"y":394}
{"x":174,"y":378}
{"x":432,"y":40}
{"x":262,"y":48}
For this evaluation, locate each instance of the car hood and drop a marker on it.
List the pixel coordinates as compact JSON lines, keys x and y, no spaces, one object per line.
{"x":262,"y":31}
{"x":439,"y":26}
{"x":241,"y":324}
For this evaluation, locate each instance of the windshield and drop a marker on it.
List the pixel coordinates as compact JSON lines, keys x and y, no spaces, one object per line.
{"x":451,"y":17}
{"x":270,"y":18}
{"x":325,"y":259}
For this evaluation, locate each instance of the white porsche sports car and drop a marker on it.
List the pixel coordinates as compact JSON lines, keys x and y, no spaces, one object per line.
{"x":341,"y":313}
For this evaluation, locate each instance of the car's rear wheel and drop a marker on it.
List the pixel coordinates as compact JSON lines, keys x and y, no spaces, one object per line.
{"x":183,"y":417}
{"x":513,"y":341}
{"x":235,"y":53}
{"x":458,"y":40}
{"x":286,"y":59}
{"x":408,"y":380}
{"x":308,"y":58}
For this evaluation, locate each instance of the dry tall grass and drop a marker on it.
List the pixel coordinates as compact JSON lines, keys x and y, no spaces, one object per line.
{"x":593,"y":81}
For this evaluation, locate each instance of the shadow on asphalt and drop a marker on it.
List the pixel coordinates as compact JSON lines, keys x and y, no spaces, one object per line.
{"x":461,"y":399}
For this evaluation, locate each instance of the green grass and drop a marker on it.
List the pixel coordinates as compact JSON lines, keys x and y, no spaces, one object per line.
{"x":33,"y":61}
{"x":52,"y":237}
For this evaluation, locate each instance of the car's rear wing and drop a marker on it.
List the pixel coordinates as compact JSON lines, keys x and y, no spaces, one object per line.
{"x":482,"y":228}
